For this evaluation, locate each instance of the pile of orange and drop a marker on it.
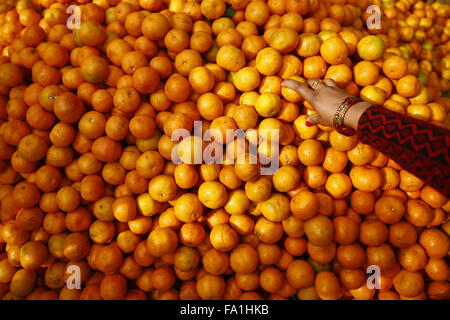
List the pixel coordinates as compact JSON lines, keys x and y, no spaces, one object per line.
{"x":87,"y":179}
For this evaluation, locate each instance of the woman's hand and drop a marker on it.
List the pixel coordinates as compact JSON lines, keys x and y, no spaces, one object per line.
{"x":325,"y":97}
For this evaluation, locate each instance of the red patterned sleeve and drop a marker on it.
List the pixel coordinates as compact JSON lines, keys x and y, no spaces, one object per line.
{"x":419,"y":147}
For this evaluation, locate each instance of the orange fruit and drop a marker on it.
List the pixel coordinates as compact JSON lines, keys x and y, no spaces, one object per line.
{"x":309,"y":44}
{"x":155,"y":26}
{"x":230,"y":58}
{"x":371,"y":47}
{"x":334,"y":50}
{"x":365,"y":73}
{"x":89,"y":132}
{"x":310,"y":152}
{"x":188,"y":208}
{"x":340,"y":73}
{"x":268,"y":104}
{"x":162,"y":241}
{"x":23,"y":282}
{"x":395,"y":67}
{"x":244,"y":259}
{"x":290,"y":66}
{"x":268,"y":61}
{"x":389,"y":209}
{"x":408,"y":86}
{"x":145,"y":80}
{"x":276,"y":208}
{"x":435,"y":242}
{"x":11,"y":75}
{"x":246,"y":79}
{"x":32,"y":255}
{"x":408,"y":283}
{"x":113,"y":286}
{"x":314,"y":67}
{"x":212,"y":194}
{"x":213,"y":9}
{"x":284,"y":40}
{"x":402,"y":234}
{"x":257,"y":12}
{"x":251,"y":45}
{"x":210,"y":287}
{"x":271,"y":279}
{"x":366,"y":178}
{"x":177,"y":88}
{"x":432,"y":197}
{"x":223,"y":237}
{"x":201,"y":79}
{"x":327,"y":286}
{"x":319,"y":230}
{"x":91,"y":33}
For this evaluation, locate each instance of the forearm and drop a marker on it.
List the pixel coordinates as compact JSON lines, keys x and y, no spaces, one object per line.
{"x":351,"y":119}
{"x":419,"y":147}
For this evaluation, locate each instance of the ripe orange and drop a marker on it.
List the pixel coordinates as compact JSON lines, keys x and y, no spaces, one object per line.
{"x":314,"y":67}
{"x":223,"y":237}
{"x":268,"y":104}
{"x":91,"y":33}
{"x":365,"y":73}
{"x":11,"y":75}
{"x":319,"y":230}
{"x":32,"y":255}
{"x":230,"y":58}
{"x":188,"y":207}
{"x":310,"y":152}
{"x":408,"y":283}
{"x":284,"y":40}
{"x":244,"y":259}
{"x":215,"y":261}
{"x":210,"y":287}
{"x":213,"y":9}
{"x":162,"y":241}
{"x":327,"y":286}
{"x":155,"y":26}
{"x":389,"y":209}
{"x":246,"y":79}
{"x":334,"y":50}
{"x":395,"y":67}
{"x":268,"y":61}
{"x":201,"y":79}
{"x":429,"y":239}
{"x":116,"y":49}
{"x":212,"y":194}
{"x":371,"y":47}
{"x":366,"y":178}
{"x":408,"y":86}
{"x":177,"y":88}
{"x":276,"y":208}
{"x":145,"y":80}
{"x":340,"y":73}
{"x":187,"y":60}
{"x":86,"y":147}
{"x":258,"y":13}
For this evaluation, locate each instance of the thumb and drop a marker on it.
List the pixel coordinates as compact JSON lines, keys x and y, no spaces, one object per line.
{"x":313,"y":119}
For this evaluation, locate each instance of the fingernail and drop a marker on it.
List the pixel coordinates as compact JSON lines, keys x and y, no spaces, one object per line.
{"x":308,"y":124}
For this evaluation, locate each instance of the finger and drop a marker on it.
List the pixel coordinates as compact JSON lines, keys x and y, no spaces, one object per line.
{"x":313,"y":119}
{"x":300,"y":88}
{"x":330,"y":83}
{"x":315,"y":84}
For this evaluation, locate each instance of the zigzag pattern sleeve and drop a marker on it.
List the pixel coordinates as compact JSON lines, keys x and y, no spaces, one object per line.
{"x":419,"y":147}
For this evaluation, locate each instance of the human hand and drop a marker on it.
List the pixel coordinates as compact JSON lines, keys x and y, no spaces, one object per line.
{"x":325,"y":98}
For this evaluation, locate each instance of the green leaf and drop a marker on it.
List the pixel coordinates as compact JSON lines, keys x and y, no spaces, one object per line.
{"x":229,"y":12}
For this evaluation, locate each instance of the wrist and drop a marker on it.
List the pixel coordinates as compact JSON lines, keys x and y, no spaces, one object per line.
{"x":352,"y":116}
